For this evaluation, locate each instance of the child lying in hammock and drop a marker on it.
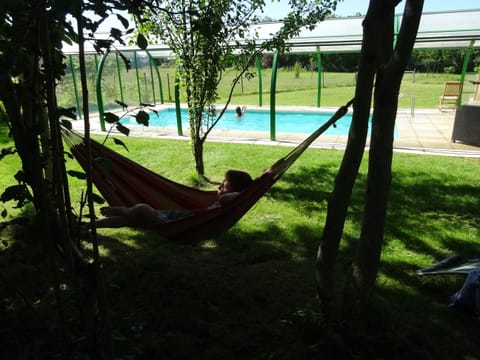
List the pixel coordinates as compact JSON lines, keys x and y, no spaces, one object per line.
{"x":144,"y":216}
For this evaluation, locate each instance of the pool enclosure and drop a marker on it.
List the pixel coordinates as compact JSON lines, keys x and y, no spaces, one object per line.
{"x":438,"y":30}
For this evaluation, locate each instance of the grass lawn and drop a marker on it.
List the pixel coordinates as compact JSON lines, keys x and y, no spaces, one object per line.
{"x":250,"y":293}
{"x":337,"y":88}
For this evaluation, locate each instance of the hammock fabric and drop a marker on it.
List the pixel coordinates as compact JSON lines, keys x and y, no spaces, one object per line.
{"x":123,"y":182}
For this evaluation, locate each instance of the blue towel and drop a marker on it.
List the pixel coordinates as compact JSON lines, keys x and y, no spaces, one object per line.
{"x":468,"y":297}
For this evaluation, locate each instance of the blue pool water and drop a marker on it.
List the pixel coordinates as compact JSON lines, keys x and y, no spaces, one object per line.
{"x":253,"y":120}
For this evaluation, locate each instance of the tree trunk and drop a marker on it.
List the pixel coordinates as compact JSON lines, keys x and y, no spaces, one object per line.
{"x":376,"y":58}
{"x":195,"y":113}
{"x":347,"y":174}
{"x":197,"y":147}
{"x":20,"y":106}
{"x":362,"y":277}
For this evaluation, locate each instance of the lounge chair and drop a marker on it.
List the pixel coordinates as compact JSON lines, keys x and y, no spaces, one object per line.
{"x":451,"y":93}
{"x":452,"y":265}
{"x":475,"y":99}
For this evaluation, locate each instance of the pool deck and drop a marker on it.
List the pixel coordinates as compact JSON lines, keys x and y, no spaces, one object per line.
{"x":428,"y":131}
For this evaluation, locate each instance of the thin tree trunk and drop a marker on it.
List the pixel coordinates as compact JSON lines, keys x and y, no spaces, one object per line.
{"x":96,"y":306}
{"x":53,"y":206}
{"x":361,"y":280}
{"x":195,"y":113}
{"x":347,"y":174}
{"x":198,"y":155}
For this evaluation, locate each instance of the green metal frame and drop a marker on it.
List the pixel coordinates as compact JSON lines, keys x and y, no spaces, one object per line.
{"x":260,"y":82}
{"x":75,"y":90}
{"x":177,"y":104}
{"x":98,"y":84}
{"x":159,"y":78}
{"x":273,"y":87}
{"x":120,"y":82}
{"x":466,"y":60}
{"x":98,"y":88}
{"x":138,"y":78}
{"x":319,"y":76}
{"x":396,"y":29}
{"x":151,"y":79}
{"x":273,"y":84}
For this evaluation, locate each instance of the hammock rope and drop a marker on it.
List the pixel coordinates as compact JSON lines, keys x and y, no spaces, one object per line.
{"x":125,"y":183}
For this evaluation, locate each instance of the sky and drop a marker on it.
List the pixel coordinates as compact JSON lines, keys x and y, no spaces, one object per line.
{"x":276,"y":10}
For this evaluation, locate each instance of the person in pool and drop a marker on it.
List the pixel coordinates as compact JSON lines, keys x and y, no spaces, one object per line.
{"x":144,"y":216}
{"x":240,"y":111}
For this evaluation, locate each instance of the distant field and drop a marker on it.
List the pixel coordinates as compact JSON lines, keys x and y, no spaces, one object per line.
{"x":422,"y":89}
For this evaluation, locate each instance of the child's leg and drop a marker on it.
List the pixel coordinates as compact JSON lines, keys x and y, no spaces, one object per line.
{"x":140,"y":215}
{"x":109,"y":211}
{"x":111,"y":222}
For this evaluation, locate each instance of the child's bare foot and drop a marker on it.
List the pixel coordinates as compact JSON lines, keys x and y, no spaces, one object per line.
{"x":106,"y":211}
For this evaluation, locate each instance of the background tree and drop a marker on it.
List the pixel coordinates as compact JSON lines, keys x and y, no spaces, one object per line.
{"x":443,"y":60}
{"x":31,"y":38}
{"x":381,"y":61}
{"x":211,"y":34}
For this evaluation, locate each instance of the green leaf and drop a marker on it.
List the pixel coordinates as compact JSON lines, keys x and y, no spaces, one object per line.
{"x":124,"y":21}
{"x":77,"y":174}
{"x":123,"y":129}
{"x":110,"y":117}
{"x":101,"y":44}
{"x":142,"y":117}
{"x":98,"y":199}
{"x":122,"y":104}
{"x":19,"y":176}
{"x":9,"y":150}
{"x":14,"y":192}
{"x":4,"y":213}
{"x":120,"y":142}
{"x":142,"y":42}
{"x":117,"y":35}
{"x":126,"y":61}
{"x":70,"y":112}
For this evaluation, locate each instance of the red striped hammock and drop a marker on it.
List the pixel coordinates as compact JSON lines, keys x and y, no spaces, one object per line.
{"x":125,"y":183}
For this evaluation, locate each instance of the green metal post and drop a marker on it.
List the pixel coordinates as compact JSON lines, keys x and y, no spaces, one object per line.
{"x":98,"y":86}
{"x":319,"y":76}
{"x":138,"y":78}
{"x":159,"y":78}
{"x":260,"y":85}
{"x":151,"y":79}
{"x":273,"y":87}
{"x":75,"y":90}
{"x":120,"y":84}
{"x":177,"y":104}
{"x":464,"y":70}
{"x":396,"y":29}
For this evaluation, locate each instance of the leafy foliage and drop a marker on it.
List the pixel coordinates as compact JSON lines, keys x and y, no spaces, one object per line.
{"x":9,"y":150}
{"x":208,"y":36}
{"x":141,"y":116}
{"x":31,"y":39}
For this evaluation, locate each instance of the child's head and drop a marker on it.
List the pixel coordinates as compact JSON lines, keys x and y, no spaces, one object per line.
{"x":238,"y":180}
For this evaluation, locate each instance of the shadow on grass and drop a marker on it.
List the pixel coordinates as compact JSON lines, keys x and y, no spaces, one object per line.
{"x":250,"y":293}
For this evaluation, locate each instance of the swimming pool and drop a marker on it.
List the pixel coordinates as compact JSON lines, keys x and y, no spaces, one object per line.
{"x":257,"y":120}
